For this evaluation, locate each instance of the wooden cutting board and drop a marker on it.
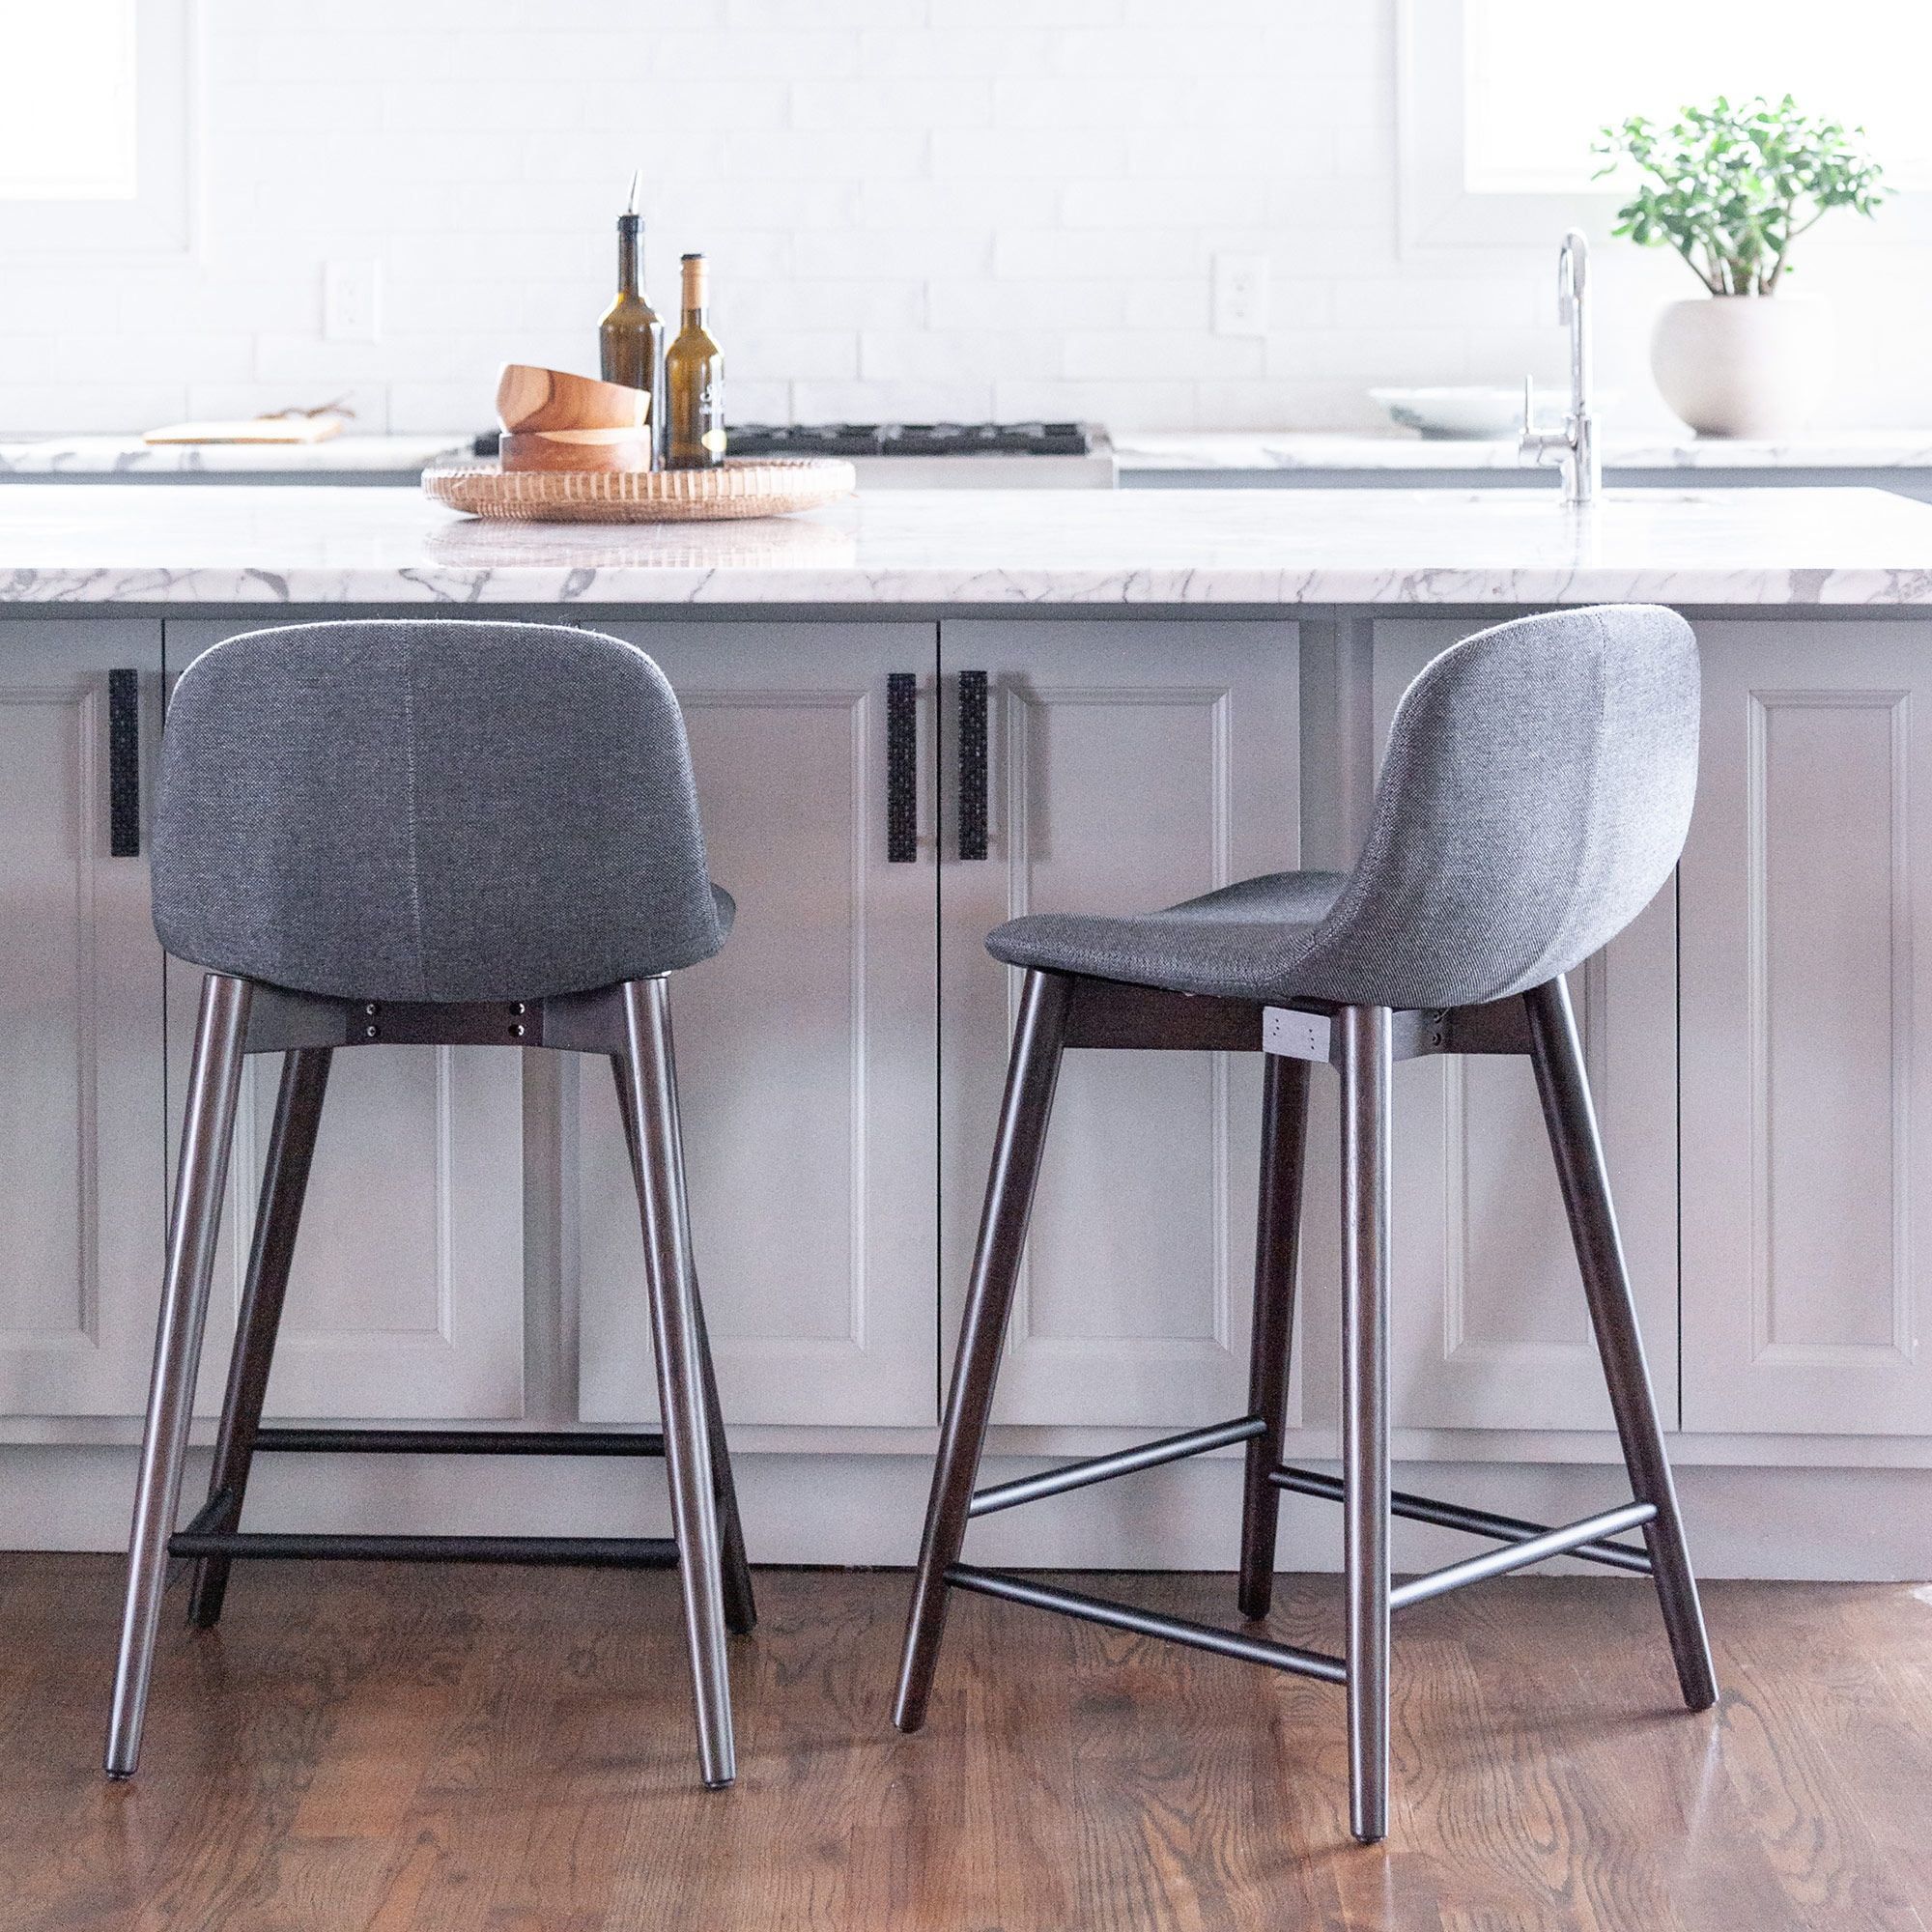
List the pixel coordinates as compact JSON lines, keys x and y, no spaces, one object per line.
{"x":260,"y":429}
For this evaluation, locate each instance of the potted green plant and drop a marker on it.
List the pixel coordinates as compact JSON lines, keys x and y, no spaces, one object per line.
{"x":1731,"y":188}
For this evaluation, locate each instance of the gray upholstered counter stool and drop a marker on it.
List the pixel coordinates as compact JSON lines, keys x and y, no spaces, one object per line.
{"x":426,"y":832}
{"x":1535,"y":796}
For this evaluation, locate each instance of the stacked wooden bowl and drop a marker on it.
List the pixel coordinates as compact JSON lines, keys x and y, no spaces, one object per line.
{"x":576,"y":450}
{"x":553,"y":420}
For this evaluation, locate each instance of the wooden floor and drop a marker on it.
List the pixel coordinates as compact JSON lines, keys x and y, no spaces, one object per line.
{"x":407,"y":1749}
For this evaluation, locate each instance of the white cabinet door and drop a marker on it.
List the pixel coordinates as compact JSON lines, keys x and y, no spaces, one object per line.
{"x":406,"y":1300}
{"x":806,"y":1050}
{"x":1808,"y":1032}
{"x":1133,"y":763}
{"x":81,"y":1103}
{"x":1488,"y":1328}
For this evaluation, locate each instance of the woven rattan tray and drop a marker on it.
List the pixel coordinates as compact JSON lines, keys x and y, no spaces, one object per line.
{"x":745,"y":487}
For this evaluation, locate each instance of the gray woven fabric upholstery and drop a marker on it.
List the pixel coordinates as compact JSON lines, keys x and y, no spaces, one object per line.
{"x":1536,"y":794}
{"x":430,"y":811}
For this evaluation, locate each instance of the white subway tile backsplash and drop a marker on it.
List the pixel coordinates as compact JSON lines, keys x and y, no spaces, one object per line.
{"x":1160,"y":400}
{"x":949,"y":100}
{"x":78,"y":354}
{"x":1027,"y":12}
{"x":753,"y":401}
{"x":1494,"y":303}
{"x":925,"y":51}
{"x":825,"y":305}
{"x":427,"y":408}
{"x":1050,"y":306}
{"x":1120,"y":255}
{"x":957,"y":204}
{"x":891,"y":254}
{"x":105,"y":406}
{"x":781,"y":355}
{"x":914,"y":207}
{"x":1269,"y":153}
{"x":980,"y":356}
{"x":1122,"y":352}
{"x":1422,"y":354}
{"x":1162,"y":203}
{"x":891,"y":401}
{"x":1043,"y":154}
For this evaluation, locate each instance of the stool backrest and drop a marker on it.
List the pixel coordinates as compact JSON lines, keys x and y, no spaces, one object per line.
{"x":430,"y":811}
{"x":1535,"y":795}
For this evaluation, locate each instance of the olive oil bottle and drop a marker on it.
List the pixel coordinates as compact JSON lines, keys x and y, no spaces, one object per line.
{"x":629,"y":339}
{"x":693,"y":381}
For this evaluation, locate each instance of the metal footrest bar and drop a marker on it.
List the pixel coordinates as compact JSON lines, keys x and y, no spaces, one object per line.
{"x":215,"y":1516}
{"x":1124,"y":1462}
{"x":1471,"y":1522}
{"x":1520,"y":1555}
{"x":599,"y":1552}
{"x":1148,"y":1623}
{"x":211,"y":1531}
{"x":465,"y":1441}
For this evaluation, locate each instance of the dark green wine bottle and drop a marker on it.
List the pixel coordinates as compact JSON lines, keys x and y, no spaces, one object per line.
{"x":629,"y":339}
{"x":694,"y":382}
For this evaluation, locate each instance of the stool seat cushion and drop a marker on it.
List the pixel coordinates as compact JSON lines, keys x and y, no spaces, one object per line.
{"x":1225,"y":941}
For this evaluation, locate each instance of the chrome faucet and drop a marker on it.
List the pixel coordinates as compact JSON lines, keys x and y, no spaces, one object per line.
{"x":1576,"y":444}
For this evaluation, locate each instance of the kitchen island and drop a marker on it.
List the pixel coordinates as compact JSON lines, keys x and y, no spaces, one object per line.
{"x":1180,"y":690}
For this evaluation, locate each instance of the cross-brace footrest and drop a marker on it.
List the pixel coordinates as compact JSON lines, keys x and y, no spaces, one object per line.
{"x":211,"y":1531}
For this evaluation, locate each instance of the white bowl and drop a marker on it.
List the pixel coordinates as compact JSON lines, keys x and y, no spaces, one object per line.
{"x":1459,"y":416}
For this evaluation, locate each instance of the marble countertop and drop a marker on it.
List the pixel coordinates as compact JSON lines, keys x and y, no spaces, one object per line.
{"x":1309,"y":449}
{"x":1145,"y":451}
{"x":125,"y":455}
{"x":215,"y":543}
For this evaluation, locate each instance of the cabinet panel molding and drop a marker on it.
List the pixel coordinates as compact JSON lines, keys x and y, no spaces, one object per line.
{"x":1830,"y":1025}
{"x":1134,"y":764}
{"x":406,"y":1300}
{"x":806,"y":1049}
{"x":81,"y":1096}
{"x":1806,"y":898}
{"x":1489,"y":1324}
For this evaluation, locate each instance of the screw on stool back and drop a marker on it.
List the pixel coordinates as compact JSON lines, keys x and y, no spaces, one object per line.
{"x":430,"y":811}
{"x":1536,"y":794}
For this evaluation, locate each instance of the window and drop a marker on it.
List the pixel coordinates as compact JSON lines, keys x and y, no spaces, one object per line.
{"x":69,"y":141}
{"x":94,"y":139}
{"x":1501,"y":98}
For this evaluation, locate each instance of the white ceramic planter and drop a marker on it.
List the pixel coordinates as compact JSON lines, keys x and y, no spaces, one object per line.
{"x":1743,"y":366}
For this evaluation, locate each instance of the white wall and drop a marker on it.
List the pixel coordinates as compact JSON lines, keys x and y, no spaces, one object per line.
{"x":914,"y":207}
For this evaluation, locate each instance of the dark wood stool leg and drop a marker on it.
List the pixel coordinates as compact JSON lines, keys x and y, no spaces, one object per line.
{"x":651,"y":1074}
{"x":1032,"y":1073}
{"x":278,"y":1217}
{"x":741,"y":1609}
{"x":1564,"y":1089}
{"x":1365,"y":1065}
{"x":1277,"y":1233}
{"x":214,"y":1081}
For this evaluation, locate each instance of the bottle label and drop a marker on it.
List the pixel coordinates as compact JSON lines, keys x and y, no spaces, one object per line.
{"x":714,"y":440}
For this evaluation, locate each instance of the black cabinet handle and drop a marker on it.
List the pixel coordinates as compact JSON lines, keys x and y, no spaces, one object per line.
{"x":124,"y":764}
{"x":901,"y":768}
{"x":972,"y":764}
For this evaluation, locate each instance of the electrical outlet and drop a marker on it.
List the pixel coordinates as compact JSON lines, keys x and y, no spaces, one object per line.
{"x":1240,"y":294}
{"x":351,"y":301}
